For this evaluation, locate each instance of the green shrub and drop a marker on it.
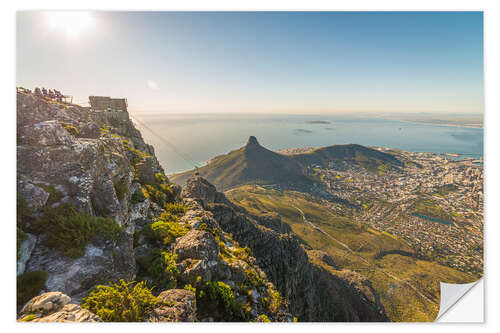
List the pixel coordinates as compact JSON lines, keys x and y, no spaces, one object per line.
{"x":221,"y":294}
{"x":160,"y":192}
{"x":54,"y":195}
{"x":175,"y":209}
{"x":165,"y":232}
{"x":121,"y":302}
{"x":277,"y":301}
{"x":29,"y":317}
{"x":263,"y":319}
{"x":120,"y":189}
{"x":190,"y":288}
{"x":29,"y":285}
{"x":69,"y":230}
{"x":164,"y":271}
{"x":137,"y":197}
{"x":71,"y":129}
{"x":254,"y":278}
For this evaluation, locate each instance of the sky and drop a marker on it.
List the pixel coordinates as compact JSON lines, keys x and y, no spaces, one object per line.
{"x":258,"y":62}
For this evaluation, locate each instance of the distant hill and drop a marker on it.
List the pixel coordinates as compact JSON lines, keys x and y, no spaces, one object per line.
{"x":254,"y":164}
{"x":370,"y":159}
{"x":249,"y":164}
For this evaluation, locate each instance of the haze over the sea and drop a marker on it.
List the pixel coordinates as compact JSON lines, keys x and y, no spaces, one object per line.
{"x":202,"y":137}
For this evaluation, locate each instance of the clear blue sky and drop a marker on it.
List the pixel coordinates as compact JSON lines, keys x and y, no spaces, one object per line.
{"x":259,"y":62}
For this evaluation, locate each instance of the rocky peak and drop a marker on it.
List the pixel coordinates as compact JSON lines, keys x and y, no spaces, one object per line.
{"x":252,"y":142}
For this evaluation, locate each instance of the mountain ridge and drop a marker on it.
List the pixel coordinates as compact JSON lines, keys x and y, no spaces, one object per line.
{"x":255,"y":164}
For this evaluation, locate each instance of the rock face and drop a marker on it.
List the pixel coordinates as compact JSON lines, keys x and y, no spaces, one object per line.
{"x":315,"y":293}
{"x":55,"y":307}
{"x":82,"y":157}
{"x":180,"y":305}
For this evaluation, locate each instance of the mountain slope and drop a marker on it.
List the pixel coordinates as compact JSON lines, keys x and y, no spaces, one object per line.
{"x":249,"y":164}
{"x":368,"y":158}
{"x":254,"y":164}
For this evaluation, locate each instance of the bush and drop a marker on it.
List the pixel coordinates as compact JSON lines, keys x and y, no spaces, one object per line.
{"x":175,"y":209}
{"x":71,"y":129}
{"x":121,"y":302}
{"x":254,"y":278}
{"x":164,"y":271}
{"x":165,"y":232}
{"x":219,"y":293}
{"x":160,"y":192}
{"x":263,"y":319}
{"x":120,"y":189}
{"x":137,"y":197}
{"x":29,"y":285}
{"x":69,"y":230}
{"x":54,"y":195}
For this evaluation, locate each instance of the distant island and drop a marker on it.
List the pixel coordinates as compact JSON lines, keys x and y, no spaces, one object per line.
{"x":317,"y":122}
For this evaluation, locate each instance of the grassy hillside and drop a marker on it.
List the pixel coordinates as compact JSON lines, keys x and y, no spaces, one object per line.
{"x":370,"y":159}
{"x":376,"y":254}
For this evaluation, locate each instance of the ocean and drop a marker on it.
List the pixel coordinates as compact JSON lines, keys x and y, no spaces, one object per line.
{"x":192,"y":139}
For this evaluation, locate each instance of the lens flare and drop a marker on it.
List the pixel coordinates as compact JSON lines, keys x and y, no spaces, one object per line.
{"x":72,"y":24}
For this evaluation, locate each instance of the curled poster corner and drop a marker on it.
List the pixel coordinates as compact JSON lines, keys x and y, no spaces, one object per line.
{"x":451,"y":294}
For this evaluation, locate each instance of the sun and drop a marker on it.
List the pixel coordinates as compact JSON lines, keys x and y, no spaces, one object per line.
{"x":72,"y":24}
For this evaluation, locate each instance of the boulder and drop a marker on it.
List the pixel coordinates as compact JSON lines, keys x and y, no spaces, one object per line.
{"x":197,"y":244}
{"x":178,"y":305}
{"x":55,"y":307}
{"x":197,"y":251}
{"x":35,"y":196}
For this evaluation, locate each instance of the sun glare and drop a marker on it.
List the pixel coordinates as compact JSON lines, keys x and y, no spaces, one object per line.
{"x":73,"y":24}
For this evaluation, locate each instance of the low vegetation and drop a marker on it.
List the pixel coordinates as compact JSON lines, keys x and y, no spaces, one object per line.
{"x":160,"y":192}
{"x":71,"y":129}
{"x":164,"y":271}
{"x":54,"y":195}
{"x":121,"y":302}
{"x":29,"y":285}
{"x":120,"y":189}
{"x":69,"y":230}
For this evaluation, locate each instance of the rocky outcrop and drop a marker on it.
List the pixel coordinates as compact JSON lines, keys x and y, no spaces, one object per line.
{"x":67,"y":154}
{"x":177,"y":305}
{"x":314,"y":293}
{"x":55,"y":307}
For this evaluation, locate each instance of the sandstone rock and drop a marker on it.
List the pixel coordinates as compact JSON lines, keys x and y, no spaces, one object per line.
{"x":55,"y":307}
{"x":197,"y":251}
{"x":197,"y":244}
{"x":179,"y":306}
{"x":200,"y":188}
{"x":46,"y":303}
